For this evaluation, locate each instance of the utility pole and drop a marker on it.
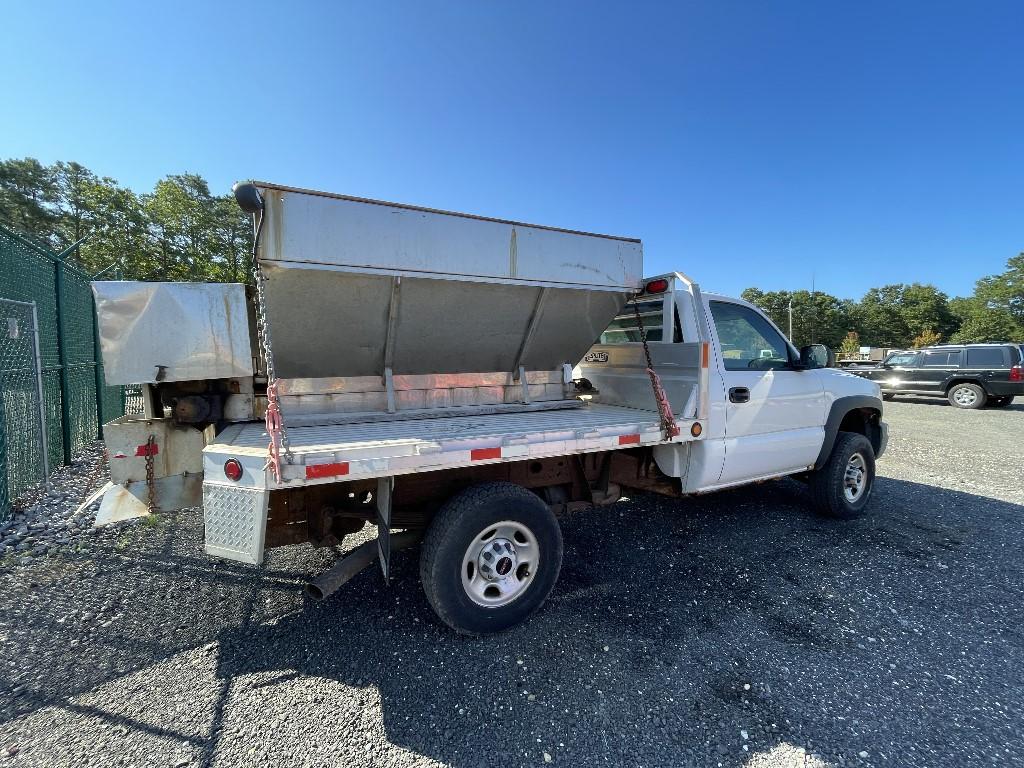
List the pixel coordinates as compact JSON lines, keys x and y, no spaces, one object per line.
{"x":791,"y":320}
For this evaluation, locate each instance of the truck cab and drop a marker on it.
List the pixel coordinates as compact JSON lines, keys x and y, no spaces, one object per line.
{"x":768,"y":415}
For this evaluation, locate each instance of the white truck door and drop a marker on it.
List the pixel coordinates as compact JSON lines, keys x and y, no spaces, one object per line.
{"x":775,"y":414}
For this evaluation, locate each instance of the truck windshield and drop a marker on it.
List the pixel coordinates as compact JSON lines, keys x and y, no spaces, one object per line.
{"x":624,"y":328}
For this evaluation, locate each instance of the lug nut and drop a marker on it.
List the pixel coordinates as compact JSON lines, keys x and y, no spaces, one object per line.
{"x":488,"y":557}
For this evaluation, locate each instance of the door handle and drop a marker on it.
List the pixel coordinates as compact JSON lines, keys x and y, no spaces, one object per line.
{"x":739,"y":395}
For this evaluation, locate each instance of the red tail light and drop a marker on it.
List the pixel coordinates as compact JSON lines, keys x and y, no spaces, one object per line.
{"x":1017,"y":373}
{"x":233,"y":470}
{"x":656,"y":286}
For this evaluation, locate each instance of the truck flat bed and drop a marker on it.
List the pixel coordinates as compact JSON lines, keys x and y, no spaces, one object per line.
{"x":328,"y":453}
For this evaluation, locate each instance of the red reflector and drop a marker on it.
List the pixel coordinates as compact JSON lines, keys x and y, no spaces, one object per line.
{"x":629,"y":439}
{"x":314,"y":471}
{"x":657,"y":286}
{"x":479,"y":454}
{"x":1017,"y":373}
{"x":233,"y":470}
{"x":144,"y":450}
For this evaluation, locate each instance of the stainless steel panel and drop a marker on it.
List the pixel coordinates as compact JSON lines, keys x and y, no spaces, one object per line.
{"x":179,"y":449}
{"x":318,"y":228}
{"x":619,"y":372}
{"x":391,"y":436}
{"x":328,"y":323}
{"x":351,"y":384}
{"x":236,"y":521}
{"x":357,"y":286}
{"x":186,"y":330}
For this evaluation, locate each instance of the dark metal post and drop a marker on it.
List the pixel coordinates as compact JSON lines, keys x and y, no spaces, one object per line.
{"x":62,"y":355}
{"x":97,"y":356}
{"x":43,"y":443}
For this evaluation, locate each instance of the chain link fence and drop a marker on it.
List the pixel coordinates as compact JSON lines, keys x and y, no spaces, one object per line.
{"x":75,"y":400}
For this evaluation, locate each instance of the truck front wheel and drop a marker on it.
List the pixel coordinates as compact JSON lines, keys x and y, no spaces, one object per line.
{"x":490,"y":558}
{"x":842,"y":488}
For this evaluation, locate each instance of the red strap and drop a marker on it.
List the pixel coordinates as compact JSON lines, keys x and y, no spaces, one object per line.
{"x":273,"y":422}
{"x":668,"y":419}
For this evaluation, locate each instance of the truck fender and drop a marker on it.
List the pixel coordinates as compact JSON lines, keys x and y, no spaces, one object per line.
{"x":842,"y":407}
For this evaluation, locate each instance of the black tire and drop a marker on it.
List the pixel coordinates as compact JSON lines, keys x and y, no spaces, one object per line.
{"x":887,"y":396}
{"x":463,"y":521}
{"x":964,"y":394}
{"x":1000,"y":402}
{"x":828,"y":484}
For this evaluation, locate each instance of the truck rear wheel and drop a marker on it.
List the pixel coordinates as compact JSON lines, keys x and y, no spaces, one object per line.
{"x":842,"y":488}
{"x":966,"y":395}
{"x":490,"y":558}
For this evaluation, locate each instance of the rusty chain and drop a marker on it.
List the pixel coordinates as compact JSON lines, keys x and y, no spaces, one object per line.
{"x":150,"y":478}
{"x":668,"y":420}
{"x":274,"y":418}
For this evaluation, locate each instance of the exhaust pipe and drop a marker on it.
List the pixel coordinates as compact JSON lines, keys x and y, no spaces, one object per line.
{"x":329,"y":582}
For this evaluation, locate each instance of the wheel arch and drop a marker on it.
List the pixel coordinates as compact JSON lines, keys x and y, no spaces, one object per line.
{"x":856,"y":413}
{"x":961,"y":379}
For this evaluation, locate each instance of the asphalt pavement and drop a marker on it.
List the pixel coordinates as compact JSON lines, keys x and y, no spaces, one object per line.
{"x":737,"y":629}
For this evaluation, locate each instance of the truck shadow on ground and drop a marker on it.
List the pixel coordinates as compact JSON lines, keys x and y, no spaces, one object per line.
{"x":680,"y":632}
{"x":738,"y":621}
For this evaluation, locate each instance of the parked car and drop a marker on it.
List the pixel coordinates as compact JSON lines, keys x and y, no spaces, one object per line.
{"x":968,"y":375}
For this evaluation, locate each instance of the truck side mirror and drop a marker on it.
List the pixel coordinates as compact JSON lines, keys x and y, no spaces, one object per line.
{"x":817,"y":356}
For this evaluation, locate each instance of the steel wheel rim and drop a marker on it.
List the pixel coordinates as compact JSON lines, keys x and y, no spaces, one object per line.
{"x":500,"y":563}
{"x":965,"y":396}
{"x":855,"y":479}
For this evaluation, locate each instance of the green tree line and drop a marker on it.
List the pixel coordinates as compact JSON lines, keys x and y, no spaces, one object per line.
{"x":182,"y":231}
{"x":903,"y":315}
{"x":179,"y":231}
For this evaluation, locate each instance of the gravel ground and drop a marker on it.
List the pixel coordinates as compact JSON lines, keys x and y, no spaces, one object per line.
{"x":55,"y":521}
{"x":734,"y":630}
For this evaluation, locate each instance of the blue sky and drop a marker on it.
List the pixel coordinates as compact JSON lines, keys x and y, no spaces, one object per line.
{"x":747,"y":143}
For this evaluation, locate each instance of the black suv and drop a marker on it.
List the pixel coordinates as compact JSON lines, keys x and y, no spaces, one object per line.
{"x":968,"y":375}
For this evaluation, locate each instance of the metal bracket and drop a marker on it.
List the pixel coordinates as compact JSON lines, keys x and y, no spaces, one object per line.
{"x":531,"y":329}
{"x":525,"y":385}
{"x":385,"y":487}
{"x":151,"y":408}
{"x":389,"y":342}
{"x":389,"y":388}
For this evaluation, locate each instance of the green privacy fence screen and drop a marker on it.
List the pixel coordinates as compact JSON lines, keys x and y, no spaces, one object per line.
{"x":76,"y":401}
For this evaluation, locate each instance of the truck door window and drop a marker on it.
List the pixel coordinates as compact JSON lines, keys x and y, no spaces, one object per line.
{"x":942,"y":360}
{"x":986,"y":357}
{"x":748,"y":341}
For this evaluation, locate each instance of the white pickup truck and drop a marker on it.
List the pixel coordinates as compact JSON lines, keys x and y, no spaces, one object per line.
{"x":457,"y":381}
